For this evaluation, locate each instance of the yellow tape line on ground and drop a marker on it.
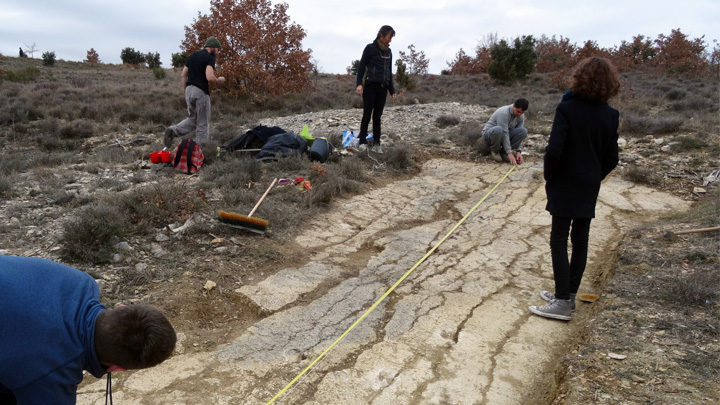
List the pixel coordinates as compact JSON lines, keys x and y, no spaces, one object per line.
{"x":369,"y":310}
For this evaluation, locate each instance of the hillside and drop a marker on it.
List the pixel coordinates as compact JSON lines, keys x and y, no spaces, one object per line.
{"x":77,"y":187}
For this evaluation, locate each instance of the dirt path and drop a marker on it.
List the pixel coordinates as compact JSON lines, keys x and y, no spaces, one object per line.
{"x":457,"y":330}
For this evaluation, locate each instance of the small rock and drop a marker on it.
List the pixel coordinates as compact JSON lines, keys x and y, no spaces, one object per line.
{"x":181,"y":337}
{"x":161,"y":237}
{"x":209,"y":285}
{"x":617,"y":356}
{"x":699,"y":190}
{"x":123,"y":247}
{"x":659,"y":141}
{"x":158,"y":251}
{"x":666,"y":148}
{"x":622,"y":142}
{"x":637,"y":379}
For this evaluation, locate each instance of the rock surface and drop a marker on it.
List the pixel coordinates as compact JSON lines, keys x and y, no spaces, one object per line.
{"x":456,"y":330}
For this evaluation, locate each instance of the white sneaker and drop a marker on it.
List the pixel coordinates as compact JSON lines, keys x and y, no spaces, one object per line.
{"x":556,"y":309}
{"x":377,"y":149}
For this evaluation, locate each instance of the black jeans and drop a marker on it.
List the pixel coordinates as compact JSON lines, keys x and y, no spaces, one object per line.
{"x":568,"y":272}
{"x":374,"y":96}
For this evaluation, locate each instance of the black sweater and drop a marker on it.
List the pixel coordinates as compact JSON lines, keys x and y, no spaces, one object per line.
{"x":376,"y":67}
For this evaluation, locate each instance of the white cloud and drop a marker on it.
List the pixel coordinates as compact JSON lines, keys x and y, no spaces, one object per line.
{"x":337,"y":32}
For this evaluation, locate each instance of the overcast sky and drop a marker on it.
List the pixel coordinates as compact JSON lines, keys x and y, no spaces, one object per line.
{"x":337,"y":31}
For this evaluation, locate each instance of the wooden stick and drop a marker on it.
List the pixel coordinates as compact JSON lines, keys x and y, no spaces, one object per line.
{"x":714,"y":228}
{"x":669,"y":234}
{"x":262,"y":198}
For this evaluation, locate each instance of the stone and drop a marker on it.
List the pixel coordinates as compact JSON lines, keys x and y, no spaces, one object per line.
{"x":124,"y":247}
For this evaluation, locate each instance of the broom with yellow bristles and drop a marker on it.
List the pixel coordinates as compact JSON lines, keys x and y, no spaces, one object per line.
{"x":246,"y":222}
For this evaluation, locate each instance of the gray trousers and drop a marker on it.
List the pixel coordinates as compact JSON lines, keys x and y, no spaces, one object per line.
{"x":494,"y":136}
{"x":198,"y":119}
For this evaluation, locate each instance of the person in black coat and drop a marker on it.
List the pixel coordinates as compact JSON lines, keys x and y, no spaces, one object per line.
{"x":374,"y":80}
{"x":581,"y":152}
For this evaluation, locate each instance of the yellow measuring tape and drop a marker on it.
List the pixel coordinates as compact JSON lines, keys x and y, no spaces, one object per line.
{"x":369,"y":310}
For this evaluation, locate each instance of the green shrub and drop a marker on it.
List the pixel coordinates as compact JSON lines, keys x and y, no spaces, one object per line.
{"x":646,"y":124}
{"x":48,"y":58}
{"x":642,"y":176}
{"x":399,"y":156}
{"x":402,"y":79}
{"x":688,"y":142}
{"x":79,"y":129}
{"x":158,"y":205}
{"x":445,"y":121}
{"x":471,"y":133}
{"x":30,"y":73}
{"x":509,"y":64}
{"x":132,"y":57}
{"x":153,"y":60}
{"x":5,"y":187}
{"x":90,"y":236}
{"x":159,"y":73}
{"x":178,"y":60}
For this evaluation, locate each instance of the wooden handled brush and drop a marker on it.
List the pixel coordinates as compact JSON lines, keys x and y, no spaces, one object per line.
{"x":669,"y":235}
{"x":246,"y":222}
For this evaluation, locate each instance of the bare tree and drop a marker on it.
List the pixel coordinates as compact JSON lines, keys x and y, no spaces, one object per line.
{"x":31,"y":49}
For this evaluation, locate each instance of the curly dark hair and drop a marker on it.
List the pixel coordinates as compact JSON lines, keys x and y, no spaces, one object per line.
{"x":595,"y":79}
{"x":133,"y":337}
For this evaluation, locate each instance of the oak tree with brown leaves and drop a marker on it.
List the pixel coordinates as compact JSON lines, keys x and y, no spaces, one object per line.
{"x":679,"y":55}
{"x":553,"y":54}
{"x":262,"y":50}
{"x":92,"y":57}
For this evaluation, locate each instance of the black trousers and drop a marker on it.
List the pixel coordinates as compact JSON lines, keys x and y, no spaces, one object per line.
{"x":568,"y":272}
{"x":374,"y":96}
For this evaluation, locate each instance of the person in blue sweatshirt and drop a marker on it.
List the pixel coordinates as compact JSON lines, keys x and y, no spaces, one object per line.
{"x":52,"y":327}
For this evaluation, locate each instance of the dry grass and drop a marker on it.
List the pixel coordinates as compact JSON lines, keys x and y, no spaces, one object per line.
{"x":52,"y":112}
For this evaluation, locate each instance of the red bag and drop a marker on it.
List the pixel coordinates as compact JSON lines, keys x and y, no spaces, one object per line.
{"x":187,"y":157}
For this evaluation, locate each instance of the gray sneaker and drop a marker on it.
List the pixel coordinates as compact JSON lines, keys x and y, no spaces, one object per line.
{"x":377,"y":149}
{"x":169,"y":135}
{"x":556,"y":309}
{"x":362,"y":147}
{"x":496,"y":156}
{"x":548,"y":296}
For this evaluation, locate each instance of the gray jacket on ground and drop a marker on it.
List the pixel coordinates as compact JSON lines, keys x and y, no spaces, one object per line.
{"x":504,"y":118}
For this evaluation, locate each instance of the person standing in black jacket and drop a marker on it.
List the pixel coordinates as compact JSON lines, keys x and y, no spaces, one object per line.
{"x":374,"y":80}
{"x":581,"y":152}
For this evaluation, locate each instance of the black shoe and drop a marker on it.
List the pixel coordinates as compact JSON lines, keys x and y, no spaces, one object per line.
{"x":169,"y":135}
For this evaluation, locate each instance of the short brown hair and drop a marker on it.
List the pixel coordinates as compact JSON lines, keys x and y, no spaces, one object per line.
{"x":595,"y":79}
{"x":133,"y":337}
{"x":384,"y":30}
